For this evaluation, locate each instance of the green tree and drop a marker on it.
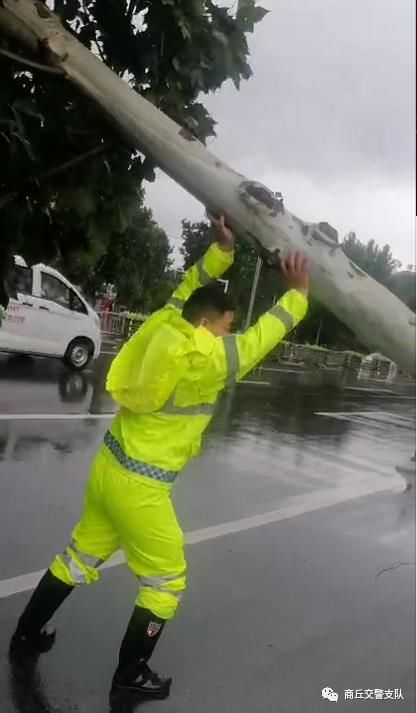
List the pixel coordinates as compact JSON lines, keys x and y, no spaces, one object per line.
{"x":377,"y":262}
{"x":137,"y":263}
{"x":196,"y":239}
{"x":68,"y":183}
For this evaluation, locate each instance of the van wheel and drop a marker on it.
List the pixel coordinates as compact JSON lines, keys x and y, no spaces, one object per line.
{"x":79,"y":353}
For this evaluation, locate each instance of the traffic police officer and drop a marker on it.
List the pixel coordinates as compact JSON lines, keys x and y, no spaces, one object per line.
{"x":166,"y":379}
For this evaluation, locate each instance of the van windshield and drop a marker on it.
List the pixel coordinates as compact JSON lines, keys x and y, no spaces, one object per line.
{"x":23,"y":279}
{"x":53,"y":289}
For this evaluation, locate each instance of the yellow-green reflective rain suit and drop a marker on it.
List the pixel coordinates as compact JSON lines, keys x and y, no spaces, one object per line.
{"x":167,"y":380}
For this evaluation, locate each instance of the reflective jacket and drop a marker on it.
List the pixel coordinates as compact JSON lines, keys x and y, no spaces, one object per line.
{"x":168,"y":376}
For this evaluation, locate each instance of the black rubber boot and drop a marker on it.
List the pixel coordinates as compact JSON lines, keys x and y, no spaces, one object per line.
{"x":32,"y":635}
{"x":133,"y":672}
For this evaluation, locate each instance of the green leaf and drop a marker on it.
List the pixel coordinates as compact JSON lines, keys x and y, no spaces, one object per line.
{"x":25,"y":144}
{"x":94,"y":230}
{"x":136,"y":169}
{"x":148,"y":173}
{"x":197,"y":78}
{"x":185,"y":29}
{"x":244,"y":7}
{"x":123,"y":213}
{"x":248,"y":14}
{"x":260,"y":13}
{"x":81,"y":200}
{"x":107,"y":166}
{"x":220,"y":37}
{"x":84,"y":203}
{"x":235,"y":77}
{"x":29,"y":108}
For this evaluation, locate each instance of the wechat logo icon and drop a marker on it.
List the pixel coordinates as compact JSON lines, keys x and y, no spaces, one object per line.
{"x":329,"y":694}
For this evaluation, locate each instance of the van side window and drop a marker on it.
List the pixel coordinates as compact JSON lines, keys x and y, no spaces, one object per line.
{"x":76,"y":305}
{"x":54,"y":290}
{"x":23,"y":280}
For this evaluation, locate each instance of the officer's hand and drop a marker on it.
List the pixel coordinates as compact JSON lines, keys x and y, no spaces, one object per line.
{"x":295,"y":273}
{"x":224,"y":236}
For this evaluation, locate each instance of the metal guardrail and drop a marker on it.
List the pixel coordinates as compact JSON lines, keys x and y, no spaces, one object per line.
{"x":112,"y":324}
{"x":119,"y":324}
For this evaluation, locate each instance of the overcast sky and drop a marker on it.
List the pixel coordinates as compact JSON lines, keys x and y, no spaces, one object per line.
{"x":328,"y":119}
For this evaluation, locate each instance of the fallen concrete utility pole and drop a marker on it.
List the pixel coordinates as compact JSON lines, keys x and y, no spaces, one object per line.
{"x":378,"y":318}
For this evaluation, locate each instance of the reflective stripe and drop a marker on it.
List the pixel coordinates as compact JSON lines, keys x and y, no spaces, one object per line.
{"x":137,"y":466}
{"x":203,"y":276}
{"x":89,"y":560}
{"x":232,"y":358}
{"x":195,"y":410}
{"x":76,"y":572}
{"x":175,"y":302}
{"x":284,"y":316}
{"x":160,"y":584}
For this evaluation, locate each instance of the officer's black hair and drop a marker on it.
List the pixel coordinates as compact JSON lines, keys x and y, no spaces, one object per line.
{"x":208,"y":301}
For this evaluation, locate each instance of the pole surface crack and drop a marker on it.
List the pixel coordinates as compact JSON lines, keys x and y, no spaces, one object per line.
{"x":396,"y":565}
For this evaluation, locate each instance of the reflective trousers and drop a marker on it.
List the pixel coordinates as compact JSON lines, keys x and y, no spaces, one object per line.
{"x":132,"y":513}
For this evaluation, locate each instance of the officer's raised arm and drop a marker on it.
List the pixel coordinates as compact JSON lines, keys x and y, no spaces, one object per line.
{"x":273,"y":326}
{"x":242,"y":352}
{"x":218,"y":258}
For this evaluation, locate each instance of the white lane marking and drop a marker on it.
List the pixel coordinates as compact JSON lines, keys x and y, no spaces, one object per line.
{"x":368,"y":413}
{"x":353,"y":419}
{"x":385,"y":416}
{"x":376,"y":419}
{"x":395,"y":396}
{"x":294,"y":506}
{"x":54,"y":416}
{"x":282,"y":370}
{"x":371,"y":389}
{"x":257,"y":383}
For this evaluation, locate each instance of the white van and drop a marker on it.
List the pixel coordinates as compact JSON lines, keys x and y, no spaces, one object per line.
{"x":49,"y":318}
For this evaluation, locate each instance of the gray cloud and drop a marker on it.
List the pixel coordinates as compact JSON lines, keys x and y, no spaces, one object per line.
{"x":328,"y":118}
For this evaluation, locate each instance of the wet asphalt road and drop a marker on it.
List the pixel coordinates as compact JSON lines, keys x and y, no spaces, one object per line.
{"x":300,"y":546}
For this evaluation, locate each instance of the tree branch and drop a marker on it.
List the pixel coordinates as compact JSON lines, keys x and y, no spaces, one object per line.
{"x":130,"y":8}
{"x":55,"y":171}
{"x":73,"y":162}
{"x":30,"y":63}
